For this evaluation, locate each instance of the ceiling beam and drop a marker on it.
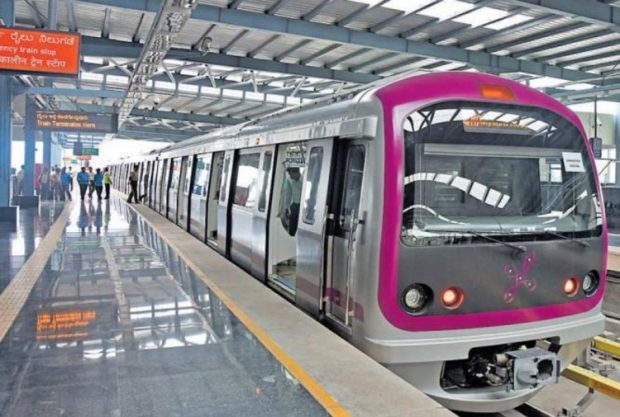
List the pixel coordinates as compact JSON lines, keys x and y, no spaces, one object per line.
{"x":281,"y":25}
{"x":589,"y":11}
{"x":99,"y":47}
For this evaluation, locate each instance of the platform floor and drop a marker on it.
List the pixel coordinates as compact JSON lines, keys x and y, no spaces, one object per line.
{"x":118,"y":326}
{"x":17,"y":242}
{"x":120,"y":313}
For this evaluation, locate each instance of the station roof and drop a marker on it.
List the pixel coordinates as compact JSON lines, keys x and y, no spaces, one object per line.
{"x":232,"y":60}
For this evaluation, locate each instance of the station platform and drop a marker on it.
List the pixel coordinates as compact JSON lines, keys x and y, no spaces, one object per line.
{"x":119,"y":313}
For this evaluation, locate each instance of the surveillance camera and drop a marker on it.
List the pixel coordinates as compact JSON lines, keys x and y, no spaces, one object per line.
{"x":205,"y":45}
{"x":156,"y":100}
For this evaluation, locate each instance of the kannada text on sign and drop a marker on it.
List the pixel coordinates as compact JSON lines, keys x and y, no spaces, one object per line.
{"x":39,"y":51}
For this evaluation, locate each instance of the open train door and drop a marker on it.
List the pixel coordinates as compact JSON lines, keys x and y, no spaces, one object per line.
{"x":312,"y":226}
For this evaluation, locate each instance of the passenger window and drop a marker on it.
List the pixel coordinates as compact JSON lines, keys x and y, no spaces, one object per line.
{"x":290,"y":192}
{"x":247,"y":177}
{"x":224,"y":182}
{"x":352,"y":186}
{"x":201,"y":181}
{"x":312,"y":184}
{"x":265,"y":171}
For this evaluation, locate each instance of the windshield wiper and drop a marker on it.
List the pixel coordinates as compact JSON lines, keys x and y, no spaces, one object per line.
{"x":561,"y":236}
{"x":520,"y":249}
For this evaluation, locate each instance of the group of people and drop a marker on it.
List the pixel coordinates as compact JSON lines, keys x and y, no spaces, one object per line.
{"x":57,"y":184}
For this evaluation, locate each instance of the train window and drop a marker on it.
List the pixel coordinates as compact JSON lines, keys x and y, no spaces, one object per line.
{"x":498,"y":169}
{"x":224,"y":184}
{"x":312,"y":183}
{"x":201,"y":182}
{"x":290,"y":191}
{"x":352,"y":186}
{"x":246,"y":180}
{"x":265,"y":179}
{"x":176,"y":173}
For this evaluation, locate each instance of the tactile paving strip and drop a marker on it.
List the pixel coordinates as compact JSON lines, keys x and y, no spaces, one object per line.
{"x":16,"y":293}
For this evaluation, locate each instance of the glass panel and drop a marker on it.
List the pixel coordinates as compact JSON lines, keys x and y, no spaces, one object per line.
{"x":265,"y":174}
{"x":292,"y":180}
{"x":501,"y":170}
{"x":352,"y":186}
{"x":176,"y":173}
{"x":224,"y":183}
{"x":203,"y":170}
{"x":188,"y":175}
{"x":247,"y":177}
{"x":312,"y":183}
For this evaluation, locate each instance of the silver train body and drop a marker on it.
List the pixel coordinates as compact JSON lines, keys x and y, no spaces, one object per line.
{"x":462,"y":314}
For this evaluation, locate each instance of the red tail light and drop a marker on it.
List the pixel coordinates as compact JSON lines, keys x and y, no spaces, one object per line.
{"x":452,"y":298}
{"x":571,"y":286}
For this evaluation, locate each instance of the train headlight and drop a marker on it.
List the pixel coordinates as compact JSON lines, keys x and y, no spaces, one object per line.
{"x":416,"y":297}
{"x":571,"y":286}
{"x":452,"y":298}
{"x":590,"y":283}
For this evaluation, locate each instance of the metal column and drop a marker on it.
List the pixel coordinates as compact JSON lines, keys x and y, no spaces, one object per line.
{"x":52,"y":23}
{"x":7,"y":13}
{"x":617,"y":142}
{"x":30,"y":138}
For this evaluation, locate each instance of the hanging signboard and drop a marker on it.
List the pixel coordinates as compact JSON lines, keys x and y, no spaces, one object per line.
{"x":39,"y":52}
{"x":66,"y":121}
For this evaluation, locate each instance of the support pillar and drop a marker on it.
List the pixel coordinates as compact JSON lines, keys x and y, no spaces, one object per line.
{"x":29,"y":199}
{"x":47,"y":150}
{"x":7,"y":13}
{"x":617,"y":142}
{"x":30,"y":138}
{"x":52,"y":23}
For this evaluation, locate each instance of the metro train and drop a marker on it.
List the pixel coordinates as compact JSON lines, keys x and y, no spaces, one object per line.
{"x":450,"y":225}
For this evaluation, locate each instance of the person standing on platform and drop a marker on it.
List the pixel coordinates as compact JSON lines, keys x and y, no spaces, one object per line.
{"x":91,"y":182}
{"x":98,"y":183}
{"x":71,"y":173}
{"x":20,"y":181}
{"x":65,"y":181}
{"x":83,"y":180}
{"x":133,"y":182}
{"x":107,"y":182}
{"x":44,"y":183}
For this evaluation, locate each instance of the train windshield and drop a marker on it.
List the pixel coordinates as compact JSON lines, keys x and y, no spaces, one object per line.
{"x":476,"y":170}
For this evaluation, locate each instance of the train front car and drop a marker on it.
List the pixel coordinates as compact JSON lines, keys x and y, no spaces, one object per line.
{"x":493,"y":245}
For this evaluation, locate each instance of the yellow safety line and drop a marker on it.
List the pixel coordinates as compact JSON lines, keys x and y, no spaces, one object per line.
{"x":14,"y":296}
{"x":606,"y":345}
{"x":310,"y":384}
{"x":593,"y":380}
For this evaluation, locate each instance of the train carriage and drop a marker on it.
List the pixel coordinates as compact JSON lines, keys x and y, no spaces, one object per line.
{"x":449,"y":225}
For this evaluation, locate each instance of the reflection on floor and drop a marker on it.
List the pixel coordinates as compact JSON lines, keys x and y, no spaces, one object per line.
{"x":118,"y":326}
{"x":18,"y":243}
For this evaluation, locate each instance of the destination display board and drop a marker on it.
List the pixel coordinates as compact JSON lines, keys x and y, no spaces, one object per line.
{"x":65,"y":121}
{"x":39,"y":52}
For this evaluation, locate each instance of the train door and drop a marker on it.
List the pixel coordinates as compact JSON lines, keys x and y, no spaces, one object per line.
{"x":215,"y":182}
{"x":173,"y":188}
{"x":163,"y":187}
{"x":342,"y":241}
{"x":284,"y":217}
{"x":149,"y":182}
{"x":311,"y":231}
{"x":198,"y":204}
{"x":222,"y":219}
{"x":261,"y":210}
{"x":244,"y":192}
{"x":184,"y":191}
{"x":154,"y":202}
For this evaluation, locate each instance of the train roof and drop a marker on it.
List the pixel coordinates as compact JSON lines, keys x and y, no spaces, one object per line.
{"x":339,"y":111}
